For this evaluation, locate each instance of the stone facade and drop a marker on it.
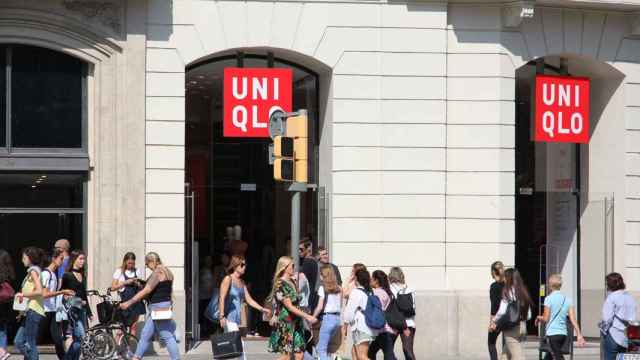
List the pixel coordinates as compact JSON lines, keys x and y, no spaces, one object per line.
{"x":417,"y":146}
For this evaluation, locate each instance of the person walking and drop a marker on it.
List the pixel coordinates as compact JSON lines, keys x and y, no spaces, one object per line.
{"x":495,"y":296}
{"x":361,"y":334}
{"x":323,"y":259}
{"x":385,"y":339}
{"x":74,"y":279}
{"x":53,"y":300}
{"x":557,"y":307}
{"x":65,"y":247}
{"x":514,"y":291}
{"x":31,"y":289}
{"x":7,"y":276}
{"x":351,"y":282}
{"x":309,"y":267}
{"x":399,"y":288}
{"x":330,"y":307}
{"x":158,"y":291}
{"x":233,"y":293}
{"x":288,"y":335}
{"x":126,"y":281}
{"x":618,"y":309}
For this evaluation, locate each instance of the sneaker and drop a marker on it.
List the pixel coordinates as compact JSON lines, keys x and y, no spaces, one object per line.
{"x":5,"y":356}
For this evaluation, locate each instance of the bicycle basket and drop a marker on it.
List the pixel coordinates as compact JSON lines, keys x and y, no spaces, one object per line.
{"x":105,"y":312}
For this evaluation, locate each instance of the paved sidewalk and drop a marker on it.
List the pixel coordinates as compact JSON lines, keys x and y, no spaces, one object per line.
{"x":256,"y":350}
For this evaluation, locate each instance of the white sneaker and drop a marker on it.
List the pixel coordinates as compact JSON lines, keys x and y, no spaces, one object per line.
{"x":5,"y":356}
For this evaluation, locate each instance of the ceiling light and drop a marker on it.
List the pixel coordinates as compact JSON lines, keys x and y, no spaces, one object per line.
{"x":44,"y":176}
{"x":33,"y":186}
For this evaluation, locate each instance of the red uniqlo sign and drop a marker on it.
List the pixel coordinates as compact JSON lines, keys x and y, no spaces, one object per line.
{"x":562,"y":109}
{"x":250,"y":96}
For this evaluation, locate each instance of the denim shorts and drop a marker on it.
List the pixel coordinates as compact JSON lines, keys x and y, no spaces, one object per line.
{"x":360,"y":337}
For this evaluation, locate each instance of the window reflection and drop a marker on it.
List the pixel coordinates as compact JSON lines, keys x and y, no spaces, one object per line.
{"x":40,"y":190}
{"x":46,"y":99}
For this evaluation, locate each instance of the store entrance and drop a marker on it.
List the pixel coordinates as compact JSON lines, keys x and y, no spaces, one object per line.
{"x":231,"y":192}
{"x":564,"y":209}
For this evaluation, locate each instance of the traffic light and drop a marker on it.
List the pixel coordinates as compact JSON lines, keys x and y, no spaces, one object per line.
{"x":283,"y":166}
{"x":298,"y":129}
{"x":290,"y":151}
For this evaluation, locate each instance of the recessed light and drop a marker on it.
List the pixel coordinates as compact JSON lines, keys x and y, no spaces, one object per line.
{"x":44,"y":176}
{"x":33,"y":186}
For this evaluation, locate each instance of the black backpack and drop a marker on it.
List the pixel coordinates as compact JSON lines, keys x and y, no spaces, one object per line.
{"x":394,"y":316}
{"x":404,"y":302}
{"x":511,"y":318}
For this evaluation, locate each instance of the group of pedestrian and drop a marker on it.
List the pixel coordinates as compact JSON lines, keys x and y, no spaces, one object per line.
{"x":314,"y":297}
{"x":53,"y":296}
{"x":50,"y":279}
{"x":508,"y":294}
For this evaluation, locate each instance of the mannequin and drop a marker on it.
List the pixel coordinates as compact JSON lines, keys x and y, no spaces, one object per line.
{"x":236,"y":245}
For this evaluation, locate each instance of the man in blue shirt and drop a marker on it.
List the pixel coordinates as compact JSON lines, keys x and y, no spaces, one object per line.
{"x":64,"y":245}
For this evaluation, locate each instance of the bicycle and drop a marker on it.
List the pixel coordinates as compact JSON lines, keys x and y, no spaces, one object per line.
{"x":111,"y":335}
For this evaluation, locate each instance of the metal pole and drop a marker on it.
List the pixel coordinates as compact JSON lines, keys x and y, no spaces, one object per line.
{"x":295,"y":227}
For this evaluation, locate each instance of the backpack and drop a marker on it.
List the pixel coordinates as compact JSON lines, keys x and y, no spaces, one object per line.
{"x":373,"y":314}
{"x":405,"y":303}
{"x":394,"y":316}
{"x":511,"y":318}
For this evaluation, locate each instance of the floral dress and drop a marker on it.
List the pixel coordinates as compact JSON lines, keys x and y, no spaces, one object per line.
{"x":288,"y":335}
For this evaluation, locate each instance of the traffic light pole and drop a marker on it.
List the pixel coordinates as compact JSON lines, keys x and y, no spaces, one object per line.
{"x":296,"y":189}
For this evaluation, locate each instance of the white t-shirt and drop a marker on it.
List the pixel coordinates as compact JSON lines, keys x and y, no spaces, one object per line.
{"x":50,"y":281}
{"x":332,"y":303}
{"x":130,"y":275}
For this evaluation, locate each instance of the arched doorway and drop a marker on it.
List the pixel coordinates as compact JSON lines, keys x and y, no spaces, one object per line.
{"x":564,"y":194}
{"x":230,"y":183}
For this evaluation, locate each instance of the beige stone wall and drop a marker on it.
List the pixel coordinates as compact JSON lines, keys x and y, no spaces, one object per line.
{"x":112,"y":41}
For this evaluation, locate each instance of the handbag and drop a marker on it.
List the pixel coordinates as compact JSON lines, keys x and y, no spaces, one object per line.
{"x":20,"y":305}
{"x":511,"y":318}
{"x":6,"y":292}
{"x":227,"y":345}
{"x":212,"y":312}
{"x":162,"y":314}
{"x":545,"y":345}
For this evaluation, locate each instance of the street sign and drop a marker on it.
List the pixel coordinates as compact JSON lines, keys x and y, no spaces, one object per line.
{"x":562,"y":109}
{"x":251,"y":95}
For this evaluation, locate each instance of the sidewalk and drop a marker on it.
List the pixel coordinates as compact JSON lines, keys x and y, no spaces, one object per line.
{"x":256,"y":350}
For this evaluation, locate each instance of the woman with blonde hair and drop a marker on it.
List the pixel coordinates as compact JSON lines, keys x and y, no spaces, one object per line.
{"x":399,"y":288}
{"x":288,"y":335}
{"x":158,"y":291}
{"x":330,"y":305}
{"x":557,"y":307}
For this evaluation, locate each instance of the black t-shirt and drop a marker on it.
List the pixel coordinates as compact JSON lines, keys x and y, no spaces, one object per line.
{"x":495,"y":295}
{"x":309,"y":268}
{"x":70,"y":282}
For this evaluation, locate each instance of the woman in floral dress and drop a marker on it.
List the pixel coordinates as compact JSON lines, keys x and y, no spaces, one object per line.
{"x":288,"y":333}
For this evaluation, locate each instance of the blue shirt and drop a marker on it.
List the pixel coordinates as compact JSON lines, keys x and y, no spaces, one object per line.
{"x":618,"y":306}
{"x":60,"y":271}
{"x":558,"y":313}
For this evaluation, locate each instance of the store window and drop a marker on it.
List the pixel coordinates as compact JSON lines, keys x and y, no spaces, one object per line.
{"x":44,"y":91}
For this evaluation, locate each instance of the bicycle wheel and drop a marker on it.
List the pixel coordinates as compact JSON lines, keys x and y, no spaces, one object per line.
{"x":127,"y":346}
{"x":99,"y":345}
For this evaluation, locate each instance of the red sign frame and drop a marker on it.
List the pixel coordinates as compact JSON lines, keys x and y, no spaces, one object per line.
{"x":251,"y":95}
{"x":562,"y":109}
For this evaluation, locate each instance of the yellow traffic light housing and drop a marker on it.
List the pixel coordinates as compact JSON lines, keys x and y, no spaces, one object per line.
{"x":291,"y":151}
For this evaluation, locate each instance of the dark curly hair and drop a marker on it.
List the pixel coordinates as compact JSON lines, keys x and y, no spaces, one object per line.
{"x":6,"y":267}
{"x":36,"y":255}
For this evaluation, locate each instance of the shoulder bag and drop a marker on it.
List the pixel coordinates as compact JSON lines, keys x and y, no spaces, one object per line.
{"x":511,"y":318}
{"x":212,"y":312}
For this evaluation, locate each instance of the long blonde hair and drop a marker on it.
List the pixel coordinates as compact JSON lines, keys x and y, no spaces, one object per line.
{"x":153,"y":256}
{"x":329,"y":281}
{"x":283,"y":264}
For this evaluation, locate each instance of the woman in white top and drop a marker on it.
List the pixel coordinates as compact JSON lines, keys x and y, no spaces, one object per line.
{"x":127,"y":281}
{"x":361,"y":334}
{"x":53,"y":299}
{"x":514,"y":290}
{"x":330,"y":305}
{"x":399,"y":287}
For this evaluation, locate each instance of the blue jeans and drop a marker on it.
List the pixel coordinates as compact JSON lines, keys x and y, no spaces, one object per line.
{"x":165,"y":328}
{"x":78,"y":323}
{"x":611,"y":348}
{"x":330,"y":324}
{"x":3,"y":336}
{"x":27,"y":335}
